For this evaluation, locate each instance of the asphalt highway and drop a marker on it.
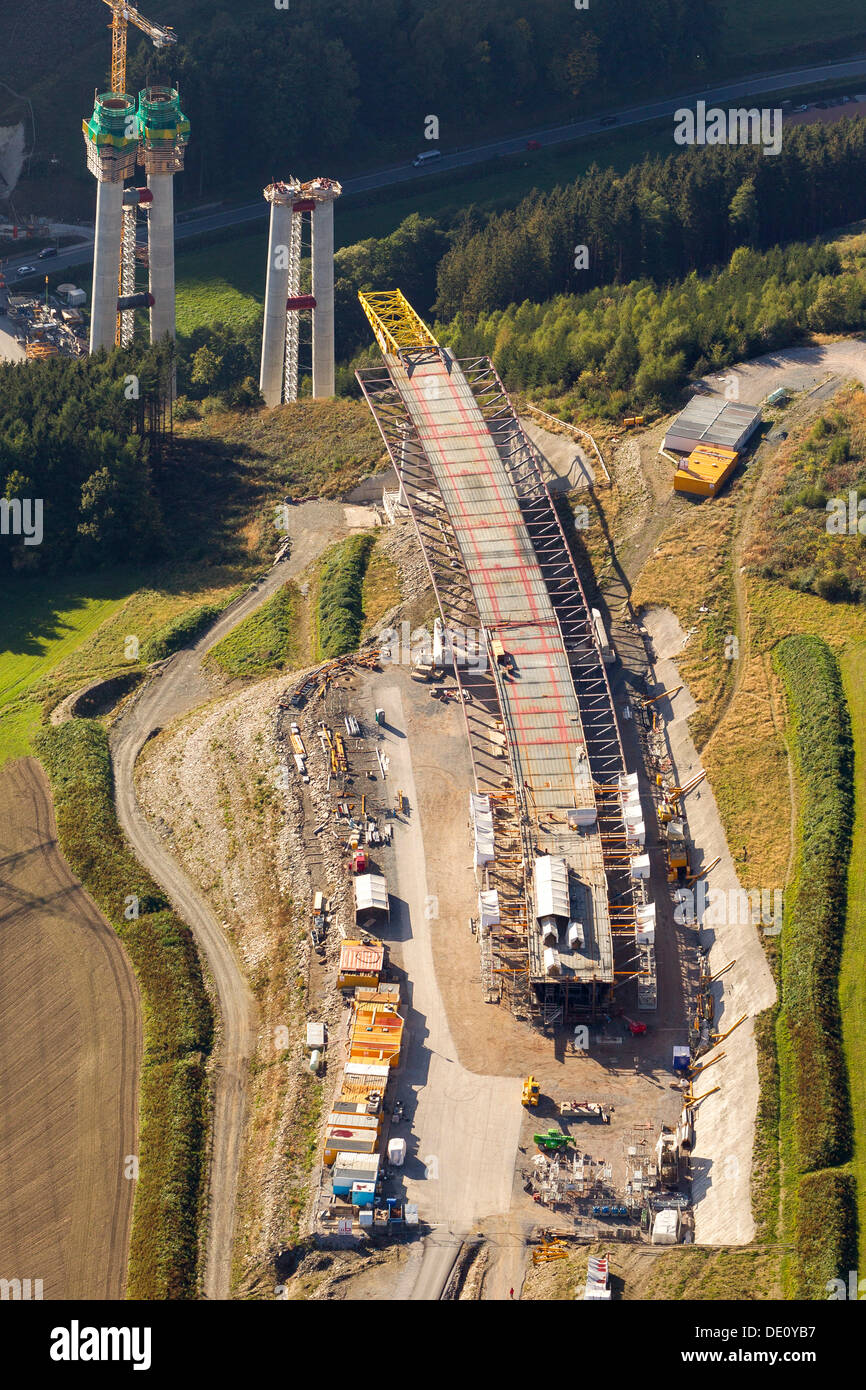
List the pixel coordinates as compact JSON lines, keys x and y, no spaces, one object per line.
{"x":741,"y":88}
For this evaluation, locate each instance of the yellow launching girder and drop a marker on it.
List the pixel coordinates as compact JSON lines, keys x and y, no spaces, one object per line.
{"x":394,"y":321}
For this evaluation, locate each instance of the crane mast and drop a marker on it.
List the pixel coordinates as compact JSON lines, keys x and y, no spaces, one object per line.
{"x":121,"y":15}
{"x":161,"y":36}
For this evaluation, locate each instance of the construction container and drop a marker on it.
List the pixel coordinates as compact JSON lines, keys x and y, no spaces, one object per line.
{"x":352,"y":1168}
{"x":552,"y":966}
{"x":706,"y":470}
{"x":360,"y":964}
{"x":363,"y":1195}
{"x":316,"y":1035}
{"x":375,"y":1034}
{"x":360,"y":1082}
{"x":371,"y":899}
{"x":351,"y":1134}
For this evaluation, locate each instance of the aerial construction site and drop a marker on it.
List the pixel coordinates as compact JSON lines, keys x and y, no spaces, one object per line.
{"x":476,"y":817}
{"x":431,"y":681}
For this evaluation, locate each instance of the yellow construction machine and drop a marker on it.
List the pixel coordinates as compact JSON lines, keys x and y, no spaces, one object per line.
{"x":531,"y":1092}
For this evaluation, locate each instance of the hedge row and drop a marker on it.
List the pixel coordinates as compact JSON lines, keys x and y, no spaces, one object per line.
{"x":826,"y":1231}
{"x":816,"y":1126}
{"x":183,"y":630}
{"x":178,"y":1024}
{"x":814,"y":921}
{"x":340,"y":608}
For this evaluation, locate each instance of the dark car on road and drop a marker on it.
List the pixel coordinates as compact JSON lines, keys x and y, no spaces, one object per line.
{"x":609,"y":120}
{"x":49,"y":251}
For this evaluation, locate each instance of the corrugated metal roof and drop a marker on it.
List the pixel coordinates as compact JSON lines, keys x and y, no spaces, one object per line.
{"x":712,"y":420}
{"x":358,"y":959}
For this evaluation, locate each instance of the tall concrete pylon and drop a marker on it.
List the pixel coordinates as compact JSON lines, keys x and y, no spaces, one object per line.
{"x":281,"y":197}
{"x":325,"y":192}
{"x":164,"y":132}
{"x":111,"y":136}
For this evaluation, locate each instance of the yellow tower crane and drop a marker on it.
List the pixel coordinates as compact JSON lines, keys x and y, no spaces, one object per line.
{"x":162,"y":37}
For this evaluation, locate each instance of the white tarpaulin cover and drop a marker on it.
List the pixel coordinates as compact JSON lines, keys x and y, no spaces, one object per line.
{"x":481,"y":817}
{"x":488,"y":909}
{"x":371,"y":892}
{"x":551,"y":887}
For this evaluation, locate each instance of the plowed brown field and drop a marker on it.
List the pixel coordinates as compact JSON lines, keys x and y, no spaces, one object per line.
{"x":70,"y":1054}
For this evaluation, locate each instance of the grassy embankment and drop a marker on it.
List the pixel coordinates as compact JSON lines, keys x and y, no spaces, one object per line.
{"x":266,"y":642}
{"x":340,"y":596}
{"x":163,"y":1260}
{"x":819,"y":1211}
{"x":278,"y":637}
{"x":746,"y":757}
{"x":852,"y":973}
{"x":657,"y":1274}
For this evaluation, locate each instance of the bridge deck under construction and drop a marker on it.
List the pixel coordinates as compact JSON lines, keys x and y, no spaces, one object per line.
{"x":497,"y":556}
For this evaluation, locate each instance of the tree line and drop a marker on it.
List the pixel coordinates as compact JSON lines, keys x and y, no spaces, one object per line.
{"x":619,"y":348}
{"x":660,"y":219}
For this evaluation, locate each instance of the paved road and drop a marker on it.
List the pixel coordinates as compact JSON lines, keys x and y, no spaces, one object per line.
{"x":394,"y":174}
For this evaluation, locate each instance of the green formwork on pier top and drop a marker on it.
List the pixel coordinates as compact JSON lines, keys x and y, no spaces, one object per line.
{"x":160,"y":119}
{"x":114,"y":121}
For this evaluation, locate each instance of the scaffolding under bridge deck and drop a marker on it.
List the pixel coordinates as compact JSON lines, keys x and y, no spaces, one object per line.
{"x":540,"y":718}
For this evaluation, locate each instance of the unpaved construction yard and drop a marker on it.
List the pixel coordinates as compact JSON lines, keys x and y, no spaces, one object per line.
{"x":70,"y":1054}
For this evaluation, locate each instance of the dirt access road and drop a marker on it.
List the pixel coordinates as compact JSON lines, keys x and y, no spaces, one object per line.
{"x":70,"y":1056}
{"x":181,"y":687}
{"x":465,"y":1126}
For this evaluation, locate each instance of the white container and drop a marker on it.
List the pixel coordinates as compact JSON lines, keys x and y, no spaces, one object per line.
{"x":315,"y":1061}
{"x":396,"y":1152}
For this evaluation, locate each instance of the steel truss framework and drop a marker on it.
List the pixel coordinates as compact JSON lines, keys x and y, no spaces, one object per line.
{"x":126,"y":318}
{"x":494,"y":769}
{"x":293,"y":316}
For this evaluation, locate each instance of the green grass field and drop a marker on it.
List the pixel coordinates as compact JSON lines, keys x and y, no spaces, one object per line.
{"x":222,"y":283}
{"x":57,"y":634}
{"x":43,"y":623}
{"x":852,"y":973}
